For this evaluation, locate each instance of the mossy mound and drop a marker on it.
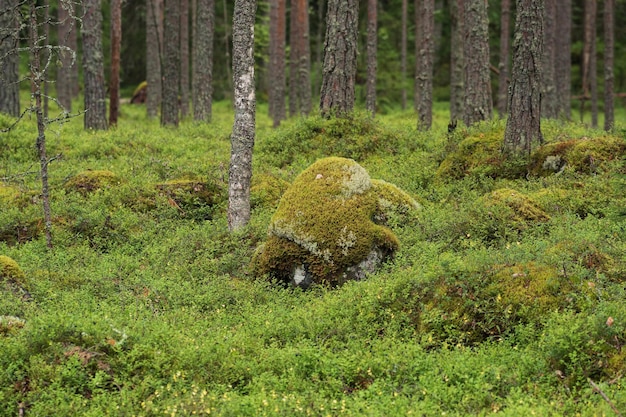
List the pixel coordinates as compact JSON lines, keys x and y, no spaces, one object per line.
{"x":89,"y":181}
{"x":9,"y":324}
{"x":581,"y":155}
{"x":324,"y":229}
{"x":477,"y":154}
{"x":193,"y":197}
{"x":21,"y":231}
{"x":266,"y":190}
{"x":522,"y":208}
{"x":11,"y":272}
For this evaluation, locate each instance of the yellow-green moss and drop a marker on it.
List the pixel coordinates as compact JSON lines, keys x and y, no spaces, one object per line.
{"x":266,"y":190}
{"x":8,"y":194}
{"x":523,"y":208}
{"x":91,"y":180}
{"x":581,"y":155}
{"x":11,"y":272}
{"x":142,"y":85}
{"x":325,"y":221}
{"x":9,"y":324}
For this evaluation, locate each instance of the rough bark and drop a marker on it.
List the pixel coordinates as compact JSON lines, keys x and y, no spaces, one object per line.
{"x":319,"y":43}
{"x":67,"y":55}
{"x":171,"y":64}
{"x":523,"y":127}
{"x":93,"y":66}
{"x":372,"y":46}
{"x":277,"y":61}
{"x":154,"y":29}
{"x":588,"y":60}
{"x":505,"y":50}
{"x":418,"y":22}
{"x":184,"y":57}
{"x":304,"y":57}
{"x":549,"y":107}
{"x":116,"y":44}
{"x":9,"y":58}
{"x":36,"y":88}
{"x":203,"y":61}
{"x":609,"y":47}
{"x":563,"y":58}
{"x":457,"y":87}
{"x":424,"y":79}
{"x":293,"y":58}
{"x":593,"y":73}
{"x":403,"y":48}
{"x":242,"y":139}
{"x":478,"y":105}
{"x":339,"y":70}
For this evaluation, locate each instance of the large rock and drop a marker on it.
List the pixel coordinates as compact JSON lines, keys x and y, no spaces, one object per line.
{"x":330,"y":226}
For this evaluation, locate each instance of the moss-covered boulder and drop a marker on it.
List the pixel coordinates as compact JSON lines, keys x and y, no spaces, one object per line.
{"x":89,"y":181}
{"x":581,"y":155}
{"x":330,"y":226}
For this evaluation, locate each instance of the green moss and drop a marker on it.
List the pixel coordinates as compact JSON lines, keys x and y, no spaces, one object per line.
{"x":9,"y":324}
{"x":581,"y":155}
{"x":193,"y":197}
{"x":325,"y":222}
{"x":142,"y":85}
{"x":11,"y":272}
{"x":89,"y":181}
{"x":523,"y":209}
{"x":8,"y":194}
{"x":266,"y":190}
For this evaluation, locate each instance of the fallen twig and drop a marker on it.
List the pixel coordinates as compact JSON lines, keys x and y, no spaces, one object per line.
{"x":597,"y":389}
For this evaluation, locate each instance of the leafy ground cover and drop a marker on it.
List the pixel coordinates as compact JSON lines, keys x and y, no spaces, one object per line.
{"x":506,"y":296}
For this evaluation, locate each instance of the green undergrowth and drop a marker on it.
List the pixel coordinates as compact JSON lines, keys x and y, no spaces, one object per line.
{"x":505,"y":295}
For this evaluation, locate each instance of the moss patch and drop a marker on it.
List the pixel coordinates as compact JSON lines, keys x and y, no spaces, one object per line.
{"x":324,"y":222}
{"x":193,"y":197}
{"x":581,"y":155}
{"x":89,"y":181}
{"x":523,"y":209}
{"x":9,"y":324}
{"x":11,"y":272}
{"x":266,"y":190}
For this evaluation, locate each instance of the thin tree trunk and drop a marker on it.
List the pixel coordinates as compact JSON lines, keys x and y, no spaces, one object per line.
{"x":9,"y":64}
{"x":372,"y":46}
{"x":116,"y":44}
{"x":184,"y":57}
{"x":593,"y":75}
{"x":319,"y":41}
{"x":36,"y":81}
{"x":203,"y":61}
{"x":171,"y":64}
{"x":426,"y":56}
{"x":588,"y":51}
{"x":227,"y":33}
{"x":67,"y":56}
{"x":294,"y":54}
{"x":403,"y":49}
{"x":277,"y":61}
{"x":523,"y":127}
{"x":418,"y":33}
{"x":549,"y":107}
{"x":93,"y":66}
{"x":242,"y":139}
{"x":563,"y":58}
{"x":503,"y":65}
{"x":154,"y":27}
{"x":304,"y":58}
{"x":457,"y":86}
{"x":339,"y":71}
{"x":609,"y":47}
{"x":46,"y":57}
{"x":478,"y":105}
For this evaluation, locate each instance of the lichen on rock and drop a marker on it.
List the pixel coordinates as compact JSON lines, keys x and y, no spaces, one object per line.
{"x":330,"y":226}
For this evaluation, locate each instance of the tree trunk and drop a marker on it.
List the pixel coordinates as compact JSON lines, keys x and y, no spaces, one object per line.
{"x":563,"y":58}
{"x":417,"y":4}
{"x":184,"y":57}
{"x":47,"y":57}
{"x":227,"y":36}
{"x":242,"y":139}
{"x":154,"y":27}
{"x":36,"y":87}
{"x":93,"y":66}
{"x":339,"y":71}
{"x":549,"y":107}
{"x":319,"y":41}
{"x":372,"y":45}
{"x":609,"y":46}
{"x":505,"y":50}
{"x":116,"y":44}
{"x":171,"y":64}
{"x":67,"y":55}
{"x":304,"y":57}
{"x":203,"y":61}
{"x":277,"y":61}
{"x":523,"y":127}
{"x":589,"y":39}
{"x":9,"y":64}
{"x":478,"y":105}
{"x":457,"y":87}
{"x":426,"y":57}
{"x":593,"y":73}
{"x":403,"y":49}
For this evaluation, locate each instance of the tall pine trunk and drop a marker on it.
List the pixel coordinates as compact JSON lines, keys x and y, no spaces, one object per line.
{"x":549,"y":107}
{"x":339,"y":71}
{"x":403,"y":48}
{"x":203,"y":61}
{"x":154,"y":29}
{"x":609,"y":46}
{"x":523,"y":127}
{"x":478,"y":105}
{"x":589,"y":50}
{"x":277,"y":61}
{"x":503,"y":64}
{"x":563,"y":58}
{"x":426,"y":55}
{"x":457,"y":86}
{"x":93,"y":66}
{"x":304,"y":57}
{"x":171,"y":64}
{"x":242,"y":138}
{"x":67,"y":55}
{"x":9,"y":64}
{"x":372,"y":46}
{"x":116,"y":44}
{"x":184,"y":57}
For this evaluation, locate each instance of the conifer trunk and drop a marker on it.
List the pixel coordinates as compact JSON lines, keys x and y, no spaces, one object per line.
{"x":171,"y":64}
{"x":609,"y":46}
{"x":563,"y":58}
{"x":93,"y":66}
{"x":116,"y":44}
{"x":426,"y":55}
{"x":203,"y":61}
{"x":457,"y":87}
{"x":503,"y":65}
{"x":372,"y":46}
{"x":277,"y":61}
{"x":184,"y":57}
{"x":549,"y":107}
{"x":9,"y":64}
